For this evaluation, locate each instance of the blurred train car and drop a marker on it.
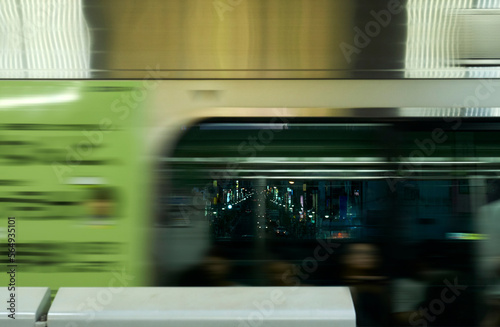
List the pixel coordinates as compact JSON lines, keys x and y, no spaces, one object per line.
{"x":254,"y":142}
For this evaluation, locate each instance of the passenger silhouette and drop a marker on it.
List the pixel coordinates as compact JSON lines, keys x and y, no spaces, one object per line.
{"x":213,"y":270}
{"x":362,"y":271}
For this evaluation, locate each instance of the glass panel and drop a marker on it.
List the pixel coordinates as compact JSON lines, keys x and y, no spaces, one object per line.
{"x":402,"y":212}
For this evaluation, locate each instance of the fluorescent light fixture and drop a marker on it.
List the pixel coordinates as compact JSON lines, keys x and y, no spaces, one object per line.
{"x":37,"y":100}
{"x":56,"y":40}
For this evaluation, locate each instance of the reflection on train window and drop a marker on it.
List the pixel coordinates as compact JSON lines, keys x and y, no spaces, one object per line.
{"x":326,"y":210}
{"x":401,"y":212}
{"x":296,"y":209}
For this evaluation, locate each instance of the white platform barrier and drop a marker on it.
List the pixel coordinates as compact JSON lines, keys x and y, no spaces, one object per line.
{"x":23,"y":306}
{"x":203,"y":306}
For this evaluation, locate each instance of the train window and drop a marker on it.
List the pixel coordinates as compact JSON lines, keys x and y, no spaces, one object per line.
{"x":398,"y":210}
